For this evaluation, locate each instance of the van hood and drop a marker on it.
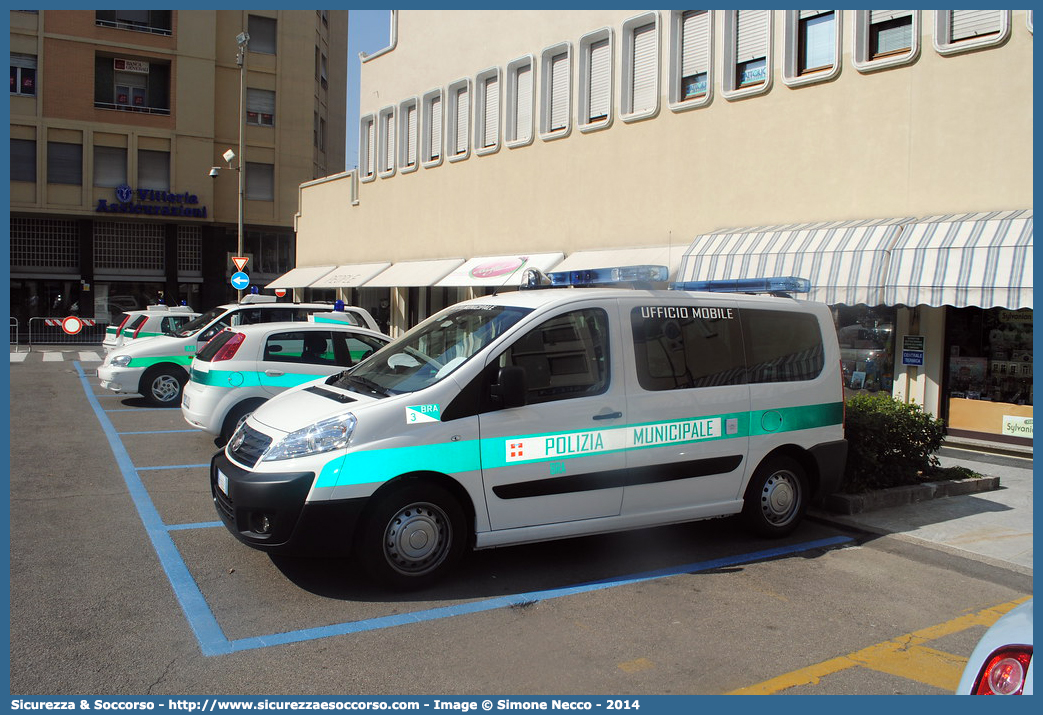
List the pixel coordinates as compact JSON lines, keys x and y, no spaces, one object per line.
{"x":307,"y":404}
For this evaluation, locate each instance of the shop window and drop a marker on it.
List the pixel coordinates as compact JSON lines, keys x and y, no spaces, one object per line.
{"x":23,"y":160}
{"x":262,"y":34}
{"x":131,"y":85}
{"x":23,"y":75}
{"x":866,"y":337}
{"x":64,"y":163}
{"x":110,"y":166}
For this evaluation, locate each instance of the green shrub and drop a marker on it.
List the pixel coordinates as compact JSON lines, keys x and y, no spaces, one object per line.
{"x":890,"y":443}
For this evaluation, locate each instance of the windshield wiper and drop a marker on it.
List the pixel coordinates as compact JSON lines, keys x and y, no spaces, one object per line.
{"x":369,"y":385}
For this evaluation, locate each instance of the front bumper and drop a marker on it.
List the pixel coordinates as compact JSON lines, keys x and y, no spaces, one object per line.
{"x":120,"y":379}
{"x":270,"y":511}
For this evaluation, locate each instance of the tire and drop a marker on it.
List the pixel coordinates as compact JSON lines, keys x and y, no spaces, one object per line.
{"x":163,"y":385}
{"x":235,"y":415}
{"x":776,"y":497}
{"x":413,"y":536}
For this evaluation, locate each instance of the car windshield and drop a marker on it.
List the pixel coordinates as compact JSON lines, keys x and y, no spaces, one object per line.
{"x":196,"y":324}
{"x":431,"y":351}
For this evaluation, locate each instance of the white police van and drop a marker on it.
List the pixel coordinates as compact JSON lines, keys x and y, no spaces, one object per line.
{"x":157,"y":367}
{"x":544,"y":414}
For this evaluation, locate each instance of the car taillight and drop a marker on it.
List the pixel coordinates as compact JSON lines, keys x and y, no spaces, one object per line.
{"x":1004,"y":672}
{"x":227,"y":351}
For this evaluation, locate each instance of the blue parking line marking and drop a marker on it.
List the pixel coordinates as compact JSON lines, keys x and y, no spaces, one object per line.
{"x":136,"y":409}
{"x":159,"y":431}
{"x":172,"y":466}
{"x":197,"y":525}
{"x":212,"y":640}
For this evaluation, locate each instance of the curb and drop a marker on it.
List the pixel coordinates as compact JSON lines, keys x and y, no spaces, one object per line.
{"x":899,"y":496}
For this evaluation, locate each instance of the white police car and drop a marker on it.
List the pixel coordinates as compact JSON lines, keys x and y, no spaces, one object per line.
{"x":157,"y":367}
{"x":241,"y":368}
{"x":154,"y":320}
{"x":545,"y":414}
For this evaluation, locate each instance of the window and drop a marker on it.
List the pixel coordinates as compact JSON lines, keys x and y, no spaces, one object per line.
{"x":23,"y":160}
{"x":885,"y":38}
{"x":132,"y":85}
{"x":564,"y":357}
{"x":458,"y":119}
{"x":260,"y":181}
{"x":432,"y":121}
{"x":595,"y":80}
{"x":154,"y":169}
{"x":110,"y":166}
{"x":555,"y":94}
{"x":686,"y":351}
{"x":260,"y":107}
{"x":367,"y":148}
{"x":386,"y":141}
{"x":156,"y":22}
{"x":323,"y":70}
{"x":639,"y":89}
{"x":407,"y":131}
{"x":812,"y":46}
{"x":311,"y":347}
{"x":487,"y":111}
{"x":691,"y":58}
{"x":64,"y":163}
{"x":782,"y":346}
{"x":520,"y":102}
{"x":23,"y":74}
{"x":961,"y":30}
{"x":747,"y":52}
{"x":262,"y":34}
{"x":322,"y":134}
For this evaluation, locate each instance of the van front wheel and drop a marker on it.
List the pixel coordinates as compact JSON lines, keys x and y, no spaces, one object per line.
{"x":413,"y":536}
{"x":776,"y":497}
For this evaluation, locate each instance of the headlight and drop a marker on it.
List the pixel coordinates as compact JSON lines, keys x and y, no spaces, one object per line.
{"x":120,"y":361}
{"x":325,"y":436}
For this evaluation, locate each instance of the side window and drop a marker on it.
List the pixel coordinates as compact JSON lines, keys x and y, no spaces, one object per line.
{"x":681,"y":347}
{"x":564,"y":357}
{"x":354,"y":348}
{"x":782,"y":346}
{"x":275,"y":315}
{"x":311,"y":347}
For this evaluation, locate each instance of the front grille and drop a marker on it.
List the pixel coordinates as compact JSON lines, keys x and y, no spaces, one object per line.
{"x":224,"y":503}
{"x":252,"y":446}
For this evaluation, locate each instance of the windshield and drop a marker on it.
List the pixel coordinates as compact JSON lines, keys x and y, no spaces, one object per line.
{"x":196,"y":324}
{"x":430,"y":351}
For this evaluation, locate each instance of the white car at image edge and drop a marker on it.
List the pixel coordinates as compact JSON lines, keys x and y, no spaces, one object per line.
{"x":1001,"y":663}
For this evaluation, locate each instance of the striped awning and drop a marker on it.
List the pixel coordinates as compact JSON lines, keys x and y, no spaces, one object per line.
{"x":408,"y":274}
{"x":982,"y":260}
{"x":496,"y":271}
{"x":846,"y":261}
{"x":301,"y":277}
{"x":350,"y":276}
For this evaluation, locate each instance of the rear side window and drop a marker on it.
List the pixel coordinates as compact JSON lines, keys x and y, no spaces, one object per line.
{"x":299,"y":346}
{"x":134,"y":324}
{"x":680,"y":347}
{"x":782,"y":346}
{"x":207,"y":352}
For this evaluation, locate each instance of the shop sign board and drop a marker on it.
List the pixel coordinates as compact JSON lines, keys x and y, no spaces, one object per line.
{"x":1015,"y":426}
{"x":912,"y":349}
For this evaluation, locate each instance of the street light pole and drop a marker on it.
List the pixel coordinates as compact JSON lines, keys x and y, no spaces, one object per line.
{"x":243,"y":40}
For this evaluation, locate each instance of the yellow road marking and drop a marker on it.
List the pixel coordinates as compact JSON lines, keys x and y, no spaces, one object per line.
{"x":905,"y":656}
{"x":636,"y":666}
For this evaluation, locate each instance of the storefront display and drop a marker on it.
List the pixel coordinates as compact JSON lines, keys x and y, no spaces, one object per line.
{"x":867,"y":349}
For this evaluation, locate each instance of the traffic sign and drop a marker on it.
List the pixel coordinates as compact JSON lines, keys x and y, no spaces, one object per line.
{"x":240,"y":262}
{"x":240,"y":280}
{"x":72,"y":325}
{"x":280,"y":292}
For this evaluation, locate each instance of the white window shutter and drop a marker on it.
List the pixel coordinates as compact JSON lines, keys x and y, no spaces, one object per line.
{"x":524,"y":109}
{"x":389,"y":142}
{"x":967,"y":24}
{"x":695,"y":43}
{"x":600,"y":77}
{"x":751,"y":35}
{"x":370,"y":150}
{"x":559,"y":92}
{"x":436,"y":128}
{"x":645,"y":78}
{"x":491,"y":128}
{"x":463,"y":114}
{"x":411,"y":136}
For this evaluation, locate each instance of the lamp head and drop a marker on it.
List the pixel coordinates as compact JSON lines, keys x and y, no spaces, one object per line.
{"x":214,"y":171}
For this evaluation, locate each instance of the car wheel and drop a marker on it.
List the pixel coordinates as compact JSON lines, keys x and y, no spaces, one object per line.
{"x":162,"y":385}
{"x":413,"y":536}
{"x":236,"y":415}
{"x":776,"y":497}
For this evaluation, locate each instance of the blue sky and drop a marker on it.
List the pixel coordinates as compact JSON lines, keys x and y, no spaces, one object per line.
{"x":368,"y":31}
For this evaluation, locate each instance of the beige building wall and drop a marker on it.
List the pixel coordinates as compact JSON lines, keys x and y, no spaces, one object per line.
{"x":944,"y":134}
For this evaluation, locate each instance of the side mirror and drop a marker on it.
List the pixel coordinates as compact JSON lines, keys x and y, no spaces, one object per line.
{"x":509,"y":389}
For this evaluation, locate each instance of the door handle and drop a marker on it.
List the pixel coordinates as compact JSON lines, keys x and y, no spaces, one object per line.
{"x":274,"y":373}
{"x":609,"y":416}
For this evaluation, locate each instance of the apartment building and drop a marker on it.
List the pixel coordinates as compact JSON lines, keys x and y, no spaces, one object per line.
{"x":118,"y":119}
{"x":886,"y":155}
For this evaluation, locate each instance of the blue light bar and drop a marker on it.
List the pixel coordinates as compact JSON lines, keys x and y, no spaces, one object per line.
{"x":789,"y":284}
{"x":601,"y":276}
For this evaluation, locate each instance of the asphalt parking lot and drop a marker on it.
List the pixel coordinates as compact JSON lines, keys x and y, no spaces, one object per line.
{"x":124,"y":582}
